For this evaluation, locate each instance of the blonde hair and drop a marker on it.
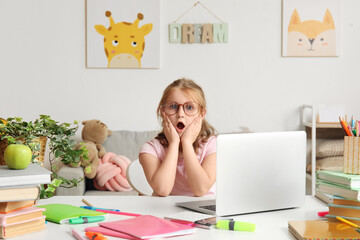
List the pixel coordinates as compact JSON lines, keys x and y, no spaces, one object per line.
{"x":193,"y":90}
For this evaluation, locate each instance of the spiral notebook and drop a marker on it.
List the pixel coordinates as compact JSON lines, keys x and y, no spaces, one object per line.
{"x":320,"y":229}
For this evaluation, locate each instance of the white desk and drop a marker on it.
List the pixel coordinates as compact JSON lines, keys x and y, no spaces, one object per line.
{"x":268,"y":225}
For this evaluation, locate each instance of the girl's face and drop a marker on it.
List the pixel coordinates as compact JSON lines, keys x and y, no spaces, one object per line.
{"x":181,"y":120}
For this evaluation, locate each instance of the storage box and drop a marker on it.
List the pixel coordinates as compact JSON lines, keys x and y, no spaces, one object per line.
{"x":351,"y":155}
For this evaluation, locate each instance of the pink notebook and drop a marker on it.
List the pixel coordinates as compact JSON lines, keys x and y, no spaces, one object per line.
{"x":147,"y":226}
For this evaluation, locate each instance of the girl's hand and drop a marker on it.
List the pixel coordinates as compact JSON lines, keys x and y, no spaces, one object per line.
{"x":170,"y":132}
{"x":192,"y":132}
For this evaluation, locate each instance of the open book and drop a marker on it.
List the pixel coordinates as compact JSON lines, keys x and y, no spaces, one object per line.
{"x":147,"y":226}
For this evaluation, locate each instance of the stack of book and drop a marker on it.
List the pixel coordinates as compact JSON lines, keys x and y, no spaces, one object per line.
{"x":19,"y":191}
{"x":343,"y":191}
{"x":339,"y":184}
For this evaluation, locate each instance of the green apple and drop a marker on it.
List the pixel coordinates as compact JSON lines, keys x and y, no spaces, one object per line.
{"x":17,"y":156}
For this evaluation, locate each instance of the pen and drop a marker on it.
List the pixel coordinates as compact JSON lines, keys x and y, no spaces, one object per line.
{"x":77,"y":234}
{"x":95,"y":236}
{"x":119,"y":213}
{"x":347,"y":222}
{"x":90,"y":219}
{"x":94,"y":208}
{"x":184,"y":222}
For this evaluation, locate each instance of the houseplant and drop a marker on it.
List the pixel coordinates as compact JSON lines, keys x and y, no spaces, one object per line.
{"x":61,"y":144}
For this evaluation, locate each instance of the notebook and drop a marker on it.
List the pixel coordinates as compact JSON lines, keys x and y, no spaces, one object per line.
{"x":318,"y":229}
{"x":257,"y":172}
{"x":148,"y":226}
{"x":61,"y":213}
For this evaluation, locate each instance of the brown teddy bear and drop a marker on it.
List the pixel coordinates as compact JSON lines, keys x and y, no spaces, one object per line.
{"x":93,"y":134}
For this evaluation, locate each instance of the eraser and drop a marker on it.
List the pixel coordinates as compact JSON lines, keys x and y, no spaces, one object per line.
{"x":235,"y":225}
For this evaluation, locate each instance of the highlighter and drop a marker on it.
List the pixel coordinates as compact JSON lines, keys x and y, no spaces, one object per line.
{"x":90,"y":219}
{"x":95,"y":236}
{"x":235,"y":225}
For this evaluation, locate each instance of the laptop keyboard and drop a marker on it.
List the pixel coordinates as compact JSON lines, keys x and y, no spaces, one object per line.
{"x":209,"y":207}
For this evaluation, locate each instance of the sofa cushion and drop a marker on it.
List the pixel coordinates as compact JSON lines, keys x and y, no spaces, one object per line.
{"x":128,"y":143}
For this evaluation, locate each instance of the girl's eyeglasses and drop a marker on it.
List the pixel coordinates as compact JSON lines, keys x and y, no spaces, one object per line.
{"x":190,"y":108}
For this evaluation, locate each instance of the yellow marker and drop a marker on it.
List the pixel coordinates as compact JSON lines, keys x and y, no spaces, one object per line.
{"x":347,"y":222}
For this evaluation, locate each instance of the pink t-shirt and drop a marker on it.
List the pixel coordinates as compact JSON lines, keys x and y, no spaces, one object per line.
{"x":181,"y":186}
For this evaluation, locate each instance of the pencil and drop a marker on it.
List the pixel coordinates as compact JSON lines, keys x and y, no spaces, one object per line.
{"x":347,"y":222}
{"x":87,"y":203}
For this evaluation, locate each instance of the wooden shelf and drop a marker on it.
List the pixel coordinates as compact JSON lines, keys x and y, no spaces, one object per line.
{"x":323,"y":125}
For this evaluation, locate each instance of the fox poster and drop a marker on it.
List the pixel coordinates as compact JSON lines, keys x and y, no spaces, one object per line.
{"x":122,"y":34}
{"x":311,"y":28}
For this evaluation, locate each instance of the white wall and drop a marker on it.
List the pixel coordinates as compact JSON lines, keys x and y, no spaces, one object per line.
{"x":247,"y":82}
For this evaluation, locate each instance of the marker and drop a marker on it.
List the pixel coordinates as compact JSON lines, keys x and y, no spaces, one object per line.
{"x":90,"y":219}
{"x":348,"y":222}
{"x":119,"y":213}
{"x":322,"y":214}
{"x":352,"y":122}
{"x":95,"y":236}
{"x":344,"y":126}
{"x":77,"y":234}
{"x":235,"y":225}
{"x":94,"y":208}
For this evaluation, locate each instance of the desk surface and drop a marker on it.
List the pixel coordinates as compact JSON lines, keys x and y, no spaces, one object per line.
{"x":268,"y":224}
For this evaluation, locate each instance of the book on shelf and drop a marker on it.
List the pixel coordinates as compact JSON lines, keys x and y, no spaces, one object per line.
{"x":6,"y":207}
{"x":335,"y":189}
{"x":21,"y":228}
{"x":19,"y":193}
{"x":147,"y":226}
{"x":344,"y":211}
{"x":34,"y":174}
{"x":320,"y":229}
{"x":349,"y":180}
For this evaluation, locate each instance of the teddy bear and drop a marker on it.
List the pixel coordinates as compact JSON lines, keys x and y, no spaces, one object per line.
{"x":94,"y":133}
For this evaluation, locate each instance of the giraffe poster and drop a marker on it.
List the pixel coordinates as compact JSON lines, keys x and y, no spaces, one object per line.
{"x":311,"y":28}
{"x":122,"y":34}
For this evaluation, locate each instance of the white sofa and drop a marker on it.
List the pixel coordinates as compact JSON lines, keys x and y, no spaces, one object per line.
{"x":127,"y":143}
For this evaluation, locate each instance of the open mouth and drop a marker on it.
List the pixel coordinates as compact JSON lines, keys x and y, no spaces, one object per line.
{"x":180,"y":126}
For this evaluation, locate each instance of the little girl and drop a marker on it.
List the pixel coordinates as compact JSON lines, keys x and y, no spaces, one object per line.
{"x":181,"y":160}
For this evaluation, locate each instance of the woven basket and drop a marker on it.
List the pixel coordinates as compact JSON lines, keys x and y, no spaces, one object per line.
{"x":41,"y":152}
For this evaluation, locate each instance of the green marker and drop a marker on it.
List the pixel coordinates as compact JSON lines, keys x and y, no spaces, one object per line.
{"x":89,"y":219}
{"x":235,"y":225}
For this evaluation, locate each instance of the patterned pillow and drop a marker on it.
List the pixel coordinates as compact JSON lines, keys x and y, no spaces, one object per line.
{"x":329,"y":163}
{"x":330,"y":148}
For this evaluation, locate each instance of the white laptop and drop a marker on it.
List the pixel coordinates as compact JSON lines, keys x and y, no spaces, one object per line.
{"x":257,"y":172}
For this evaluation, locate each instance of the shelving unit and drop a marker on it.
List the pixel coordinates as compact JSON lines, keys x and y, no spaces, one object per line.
{"x":317,"y":130}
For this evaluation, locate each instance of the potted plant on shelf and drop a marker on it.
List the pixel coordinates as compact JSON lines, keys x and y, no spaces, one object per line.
{"x":61,"y":144}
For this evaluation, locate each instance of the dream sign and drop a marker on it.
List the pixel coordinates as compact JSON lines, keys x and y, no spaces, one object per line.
{"x":198,"y":33}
